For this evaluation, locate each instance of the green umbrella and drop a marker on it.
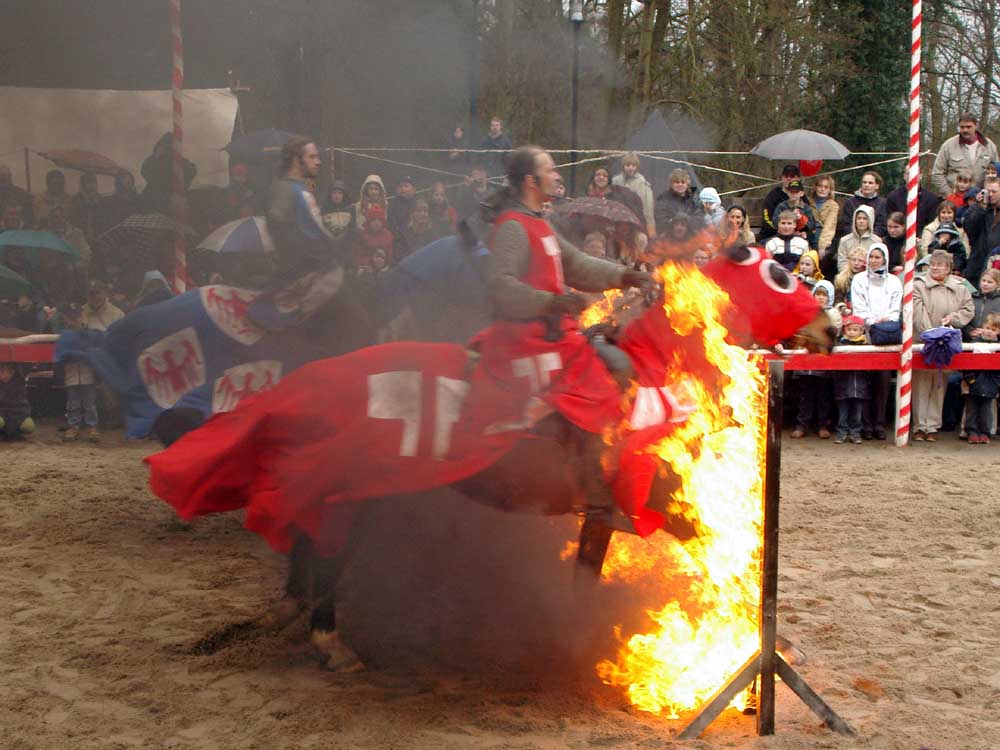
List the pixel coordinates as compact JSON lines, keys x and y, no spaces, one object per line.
{"x":31,"y":238}
{"x":12,"y":285}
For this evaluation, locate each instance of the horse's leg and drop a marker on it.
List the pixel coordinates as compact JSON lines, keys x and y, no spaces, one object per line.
{"x":334,"y":653}
{"x":283,"y":612}
{"x":279,"y":615}
{"x":594,"y":539}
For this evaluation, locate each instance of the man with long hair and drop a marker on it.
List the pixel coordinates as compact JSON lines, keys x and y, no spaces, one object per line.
{"x":308,"y":264}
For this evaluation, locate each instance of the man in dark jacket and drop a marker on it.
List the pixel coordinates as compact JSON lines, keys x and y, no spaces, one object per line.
{"x":982,"y":225}
{"x":866,"y":195}
{"x":499,"y":144}
{"x":158,"y":171}
{"x":778,"y":195}
{"x":677,"y":199}
{"x":12,"y":195}
{"x":927,"y":205}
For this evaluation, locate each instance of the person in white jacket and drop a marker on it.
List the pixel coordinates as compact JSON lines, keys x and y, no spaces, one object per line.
{"x":877,"y":297}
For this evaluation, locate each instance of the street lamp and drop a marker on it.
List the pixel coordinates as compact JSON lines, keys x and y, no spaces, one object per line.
{"x":576,"y":18}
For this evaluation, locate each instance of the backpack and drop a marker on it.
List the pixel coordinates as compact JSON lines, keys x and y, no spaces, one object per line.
{"x":940,"y":345}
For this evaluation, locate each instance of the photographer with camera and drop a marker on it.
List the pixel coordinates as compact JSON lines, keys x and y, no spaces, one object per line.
{"x":982,"y":226}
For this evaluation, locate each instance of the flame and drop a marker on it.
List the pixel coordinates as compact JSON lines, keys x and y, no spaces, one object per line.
{"x":601,"y":311}
{"x":702,"y":633}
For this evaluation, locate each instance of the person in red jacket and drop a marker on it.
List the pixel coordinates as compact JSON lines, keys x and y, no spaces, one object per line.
{"x":373,"y":237}
{"x":536,"y":349}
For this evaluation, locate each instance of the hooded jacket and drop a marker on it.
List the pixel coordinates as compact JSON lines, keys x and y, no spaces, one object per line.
{"x":362,"y":206}
{"x":831,"y":311}
{"x":852,"y":239}
{"x":951,"y":243}
{"x":714,"y":217}
{"x":817,"y":276}
{"x":878,"y":204}
{"x":876,"y":295}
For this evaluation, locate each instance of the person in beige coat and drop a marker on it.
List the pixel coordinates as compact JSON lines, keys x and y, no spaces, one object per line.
{"x":969,"y":151}
{"x":827,"y":210}
{"x":939,"y":299}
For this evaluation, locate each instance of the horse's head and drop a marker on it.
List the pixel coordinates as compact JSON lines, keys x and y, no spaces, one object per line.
{"x":771,"y":305}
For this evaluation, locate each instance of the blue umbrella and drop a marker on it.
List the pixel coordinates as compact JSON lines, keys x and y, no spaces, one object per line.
{"x":247,"y":235}
{"x":31,"y":238}
{"x":258,"y":144}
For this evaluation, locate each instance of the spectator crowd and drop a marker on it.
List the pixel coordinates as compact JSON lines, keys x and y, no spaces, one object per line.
{"x":847,"y":247}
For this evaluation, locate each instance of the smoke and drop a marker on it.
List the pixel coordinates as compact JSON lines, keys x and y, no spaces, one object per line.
{"x":436,"y":580}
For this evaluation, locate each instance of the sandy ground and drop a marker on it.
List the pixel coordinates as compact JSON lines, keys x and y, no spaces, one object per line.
{"x":889,"y":581}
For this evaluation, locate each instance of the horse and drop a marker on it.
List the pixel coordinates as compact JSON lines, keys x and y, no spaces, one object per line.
{"x":222,"y":466}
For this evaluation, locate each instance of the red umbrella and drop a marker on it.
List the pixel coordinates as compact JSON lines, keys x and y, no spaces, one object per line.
{"x":85,"y":161}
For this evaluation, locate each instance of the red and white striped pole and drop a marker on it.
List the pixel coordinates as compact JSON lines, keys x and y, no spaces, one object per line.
{"x":903,"y":384}
{"x":179,"y":199}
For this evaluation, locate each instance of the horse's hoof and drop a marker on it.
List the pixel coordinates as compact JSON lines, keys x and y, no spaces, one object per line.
{"x":792,"y":654}
{"x":281,"y":614}
{"x":334,"y":654}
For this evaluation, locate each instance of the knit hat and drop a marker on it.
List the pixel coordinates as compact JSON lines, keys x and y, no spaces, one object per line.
{"x":853,"y":320}
{"x":375,"y":211}
{"x":947,"y":228}
{"x":338,"y":185}
{"x":710,"y":195}
{"x":972,"y":193}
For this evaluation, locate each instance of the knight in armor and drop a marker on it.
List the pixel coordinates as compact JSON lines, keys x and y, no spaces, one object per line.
{"x":532,"y":275}
{"x":308,"y":264}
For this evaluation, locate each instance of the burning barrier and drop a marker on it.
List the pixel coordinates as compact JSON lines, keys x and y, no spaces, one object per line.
{"x":700,"y":637}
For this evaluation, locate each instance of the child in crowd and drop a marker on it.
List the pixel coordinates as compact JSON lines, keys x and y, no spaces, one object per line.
{"x":374,"y":236}
{"x":805,"y":219}
{"x":808,"y":271}
{"x":946,"y":213}
{"x":983,"y":386}
{"x":946,"y":237}
{"x":861,"y":235}
{"x":816,"y":386}
{"x":711,"y":204}
{"x":986,"y":302}
{"x":80,"y":386}
{"x":857,"y":261}
{"x":15,"y":411}
{"x":787,"y":247}
{"x":851,"y":388}
{"x":595,"y":244}
{"x":895,"y":241}
{"x":971,"y":199}
{"x":960,"y":186}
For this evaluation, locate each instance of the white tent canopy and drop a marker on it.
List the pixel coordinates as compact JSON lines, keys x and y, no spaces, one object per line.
{"x":122,"y":125}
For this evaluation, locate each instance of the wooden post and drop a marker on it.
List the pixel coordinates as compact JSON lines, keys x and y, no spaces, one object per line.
{"x":769,"y":557}
{"x":27,"y":171}
{"x":766,"y":662}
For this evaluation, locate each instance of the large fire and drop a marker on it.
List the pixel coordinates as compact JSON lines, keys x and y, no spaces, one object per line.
{"x":707,"y":629}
